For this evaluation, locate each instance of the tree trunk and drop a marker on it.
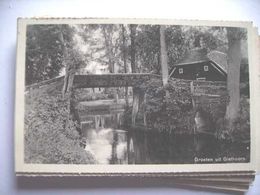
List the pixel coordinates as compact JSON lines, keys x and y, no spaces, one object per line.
{"x":233,"y":75}
{"x":164,"y":59}
{"x":125,"y":63}
{"x":111,"y":61}
{"x":132,"y":37}
{"x":133,"y":67}
{"x":68,"y":79}
{"x":109,"y":49}
{"x":65,"y":64}
{"x":135,"y":107}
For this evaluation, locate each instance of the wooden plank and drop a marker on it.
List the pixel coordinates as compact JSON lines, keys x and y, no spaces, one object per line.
{"x":42,"y":83}
{"x":110,"y":80}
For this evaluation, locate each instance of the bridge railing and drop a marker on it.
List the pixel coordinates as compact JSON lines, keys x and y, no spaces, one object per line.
{"x":110,"y":80}
{"x":43,"y":83}
{"x":197,"y":88}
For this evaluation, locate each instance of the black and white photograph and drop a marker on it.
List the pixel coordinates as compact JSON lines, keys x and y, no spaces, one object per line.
{"x":135,"y":94}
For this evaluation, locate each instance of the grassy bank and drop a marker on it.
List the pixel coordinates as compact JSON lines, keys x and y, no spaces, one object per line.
{"x":46,"y":138}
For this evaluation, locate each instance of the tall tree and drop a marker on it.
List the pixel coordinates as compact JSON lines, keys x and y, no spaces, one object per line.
{"x":66,"y":64}
{"x":107,"y":31}
{"x":44,"y":53}
{"x":72,"y":59}
{"x":124,"y":61}
{"x":164,"y":59}
{"x":234,"y":36}
{"x":133,"y":52}
{"x":133,"y":67}
{"x":111,"y":46}
{"x":148,"y":48}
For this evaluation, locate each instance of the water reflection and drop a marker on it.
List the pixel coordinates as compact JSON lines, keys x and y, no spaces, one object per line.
{"x":108,"y":146}
{"x":110,"y":143}
{"x":105,"y":140}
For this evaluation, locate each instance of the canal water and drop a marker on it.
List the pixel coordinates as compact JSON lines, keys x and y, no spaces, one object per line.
{"x":110,"y":143}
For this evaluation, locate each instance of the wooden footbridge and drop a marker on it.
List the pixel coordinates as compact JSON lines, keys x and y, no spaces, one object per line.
{"x":198,"y":88}
{"x":100,"y":80}
{"x":111,"y":80}
{"x":74,"y":81}
{"x":210,"y":89}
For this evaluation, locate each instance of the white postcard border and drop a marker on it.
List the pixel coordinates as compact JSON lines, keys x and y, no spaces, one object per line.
{"x":21,"y":167}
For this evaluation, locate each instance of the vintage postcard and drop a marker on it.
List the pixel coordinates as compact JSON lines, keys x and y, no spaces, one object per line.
{"x":135,"y":96}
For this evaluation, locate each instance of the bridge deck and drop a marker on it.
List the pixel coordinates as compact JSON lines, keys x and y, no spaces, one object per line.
{"x":110,"y":80}
{"x":198,"y":88}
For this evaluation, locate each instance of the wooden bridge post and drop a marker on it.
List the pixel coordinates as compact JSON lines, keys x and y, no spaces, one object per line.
{"x":67,"y":93}
{"x":136,"y":98}
{"x":139,"y":98}
{"x":68,"y":83}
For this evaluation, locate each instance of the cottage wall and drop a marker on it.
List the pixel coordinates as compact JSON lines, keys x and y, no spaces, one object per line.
{"x":204,"y":70}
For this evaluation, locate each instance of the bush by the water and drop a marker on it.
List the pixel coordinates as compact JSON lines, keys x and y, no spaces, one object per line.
{"x":46,"y":138}
{"x":172,"y":114}
{"x":176,"y":113}
{"x":241,"y":126}
{"x":242,"y":123}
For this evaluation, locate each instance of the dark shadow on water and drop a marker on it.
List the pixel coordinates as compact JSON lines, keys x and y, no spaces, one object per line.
{"x":112,"y":143}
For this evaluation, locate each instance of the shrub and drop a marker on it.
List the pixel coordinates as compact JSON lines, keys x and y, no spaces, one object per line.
{"x":176,"y":113}
{"x":46,"y":138}
{"x":242,"y":123}
{"x":173,"y":114}
{"x":241,"y":126}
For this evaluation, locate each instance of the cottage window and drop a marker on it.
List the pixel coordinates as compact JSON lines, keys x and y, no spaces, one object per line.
{"x":206,"y":68}
{"x":180,"y":70}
